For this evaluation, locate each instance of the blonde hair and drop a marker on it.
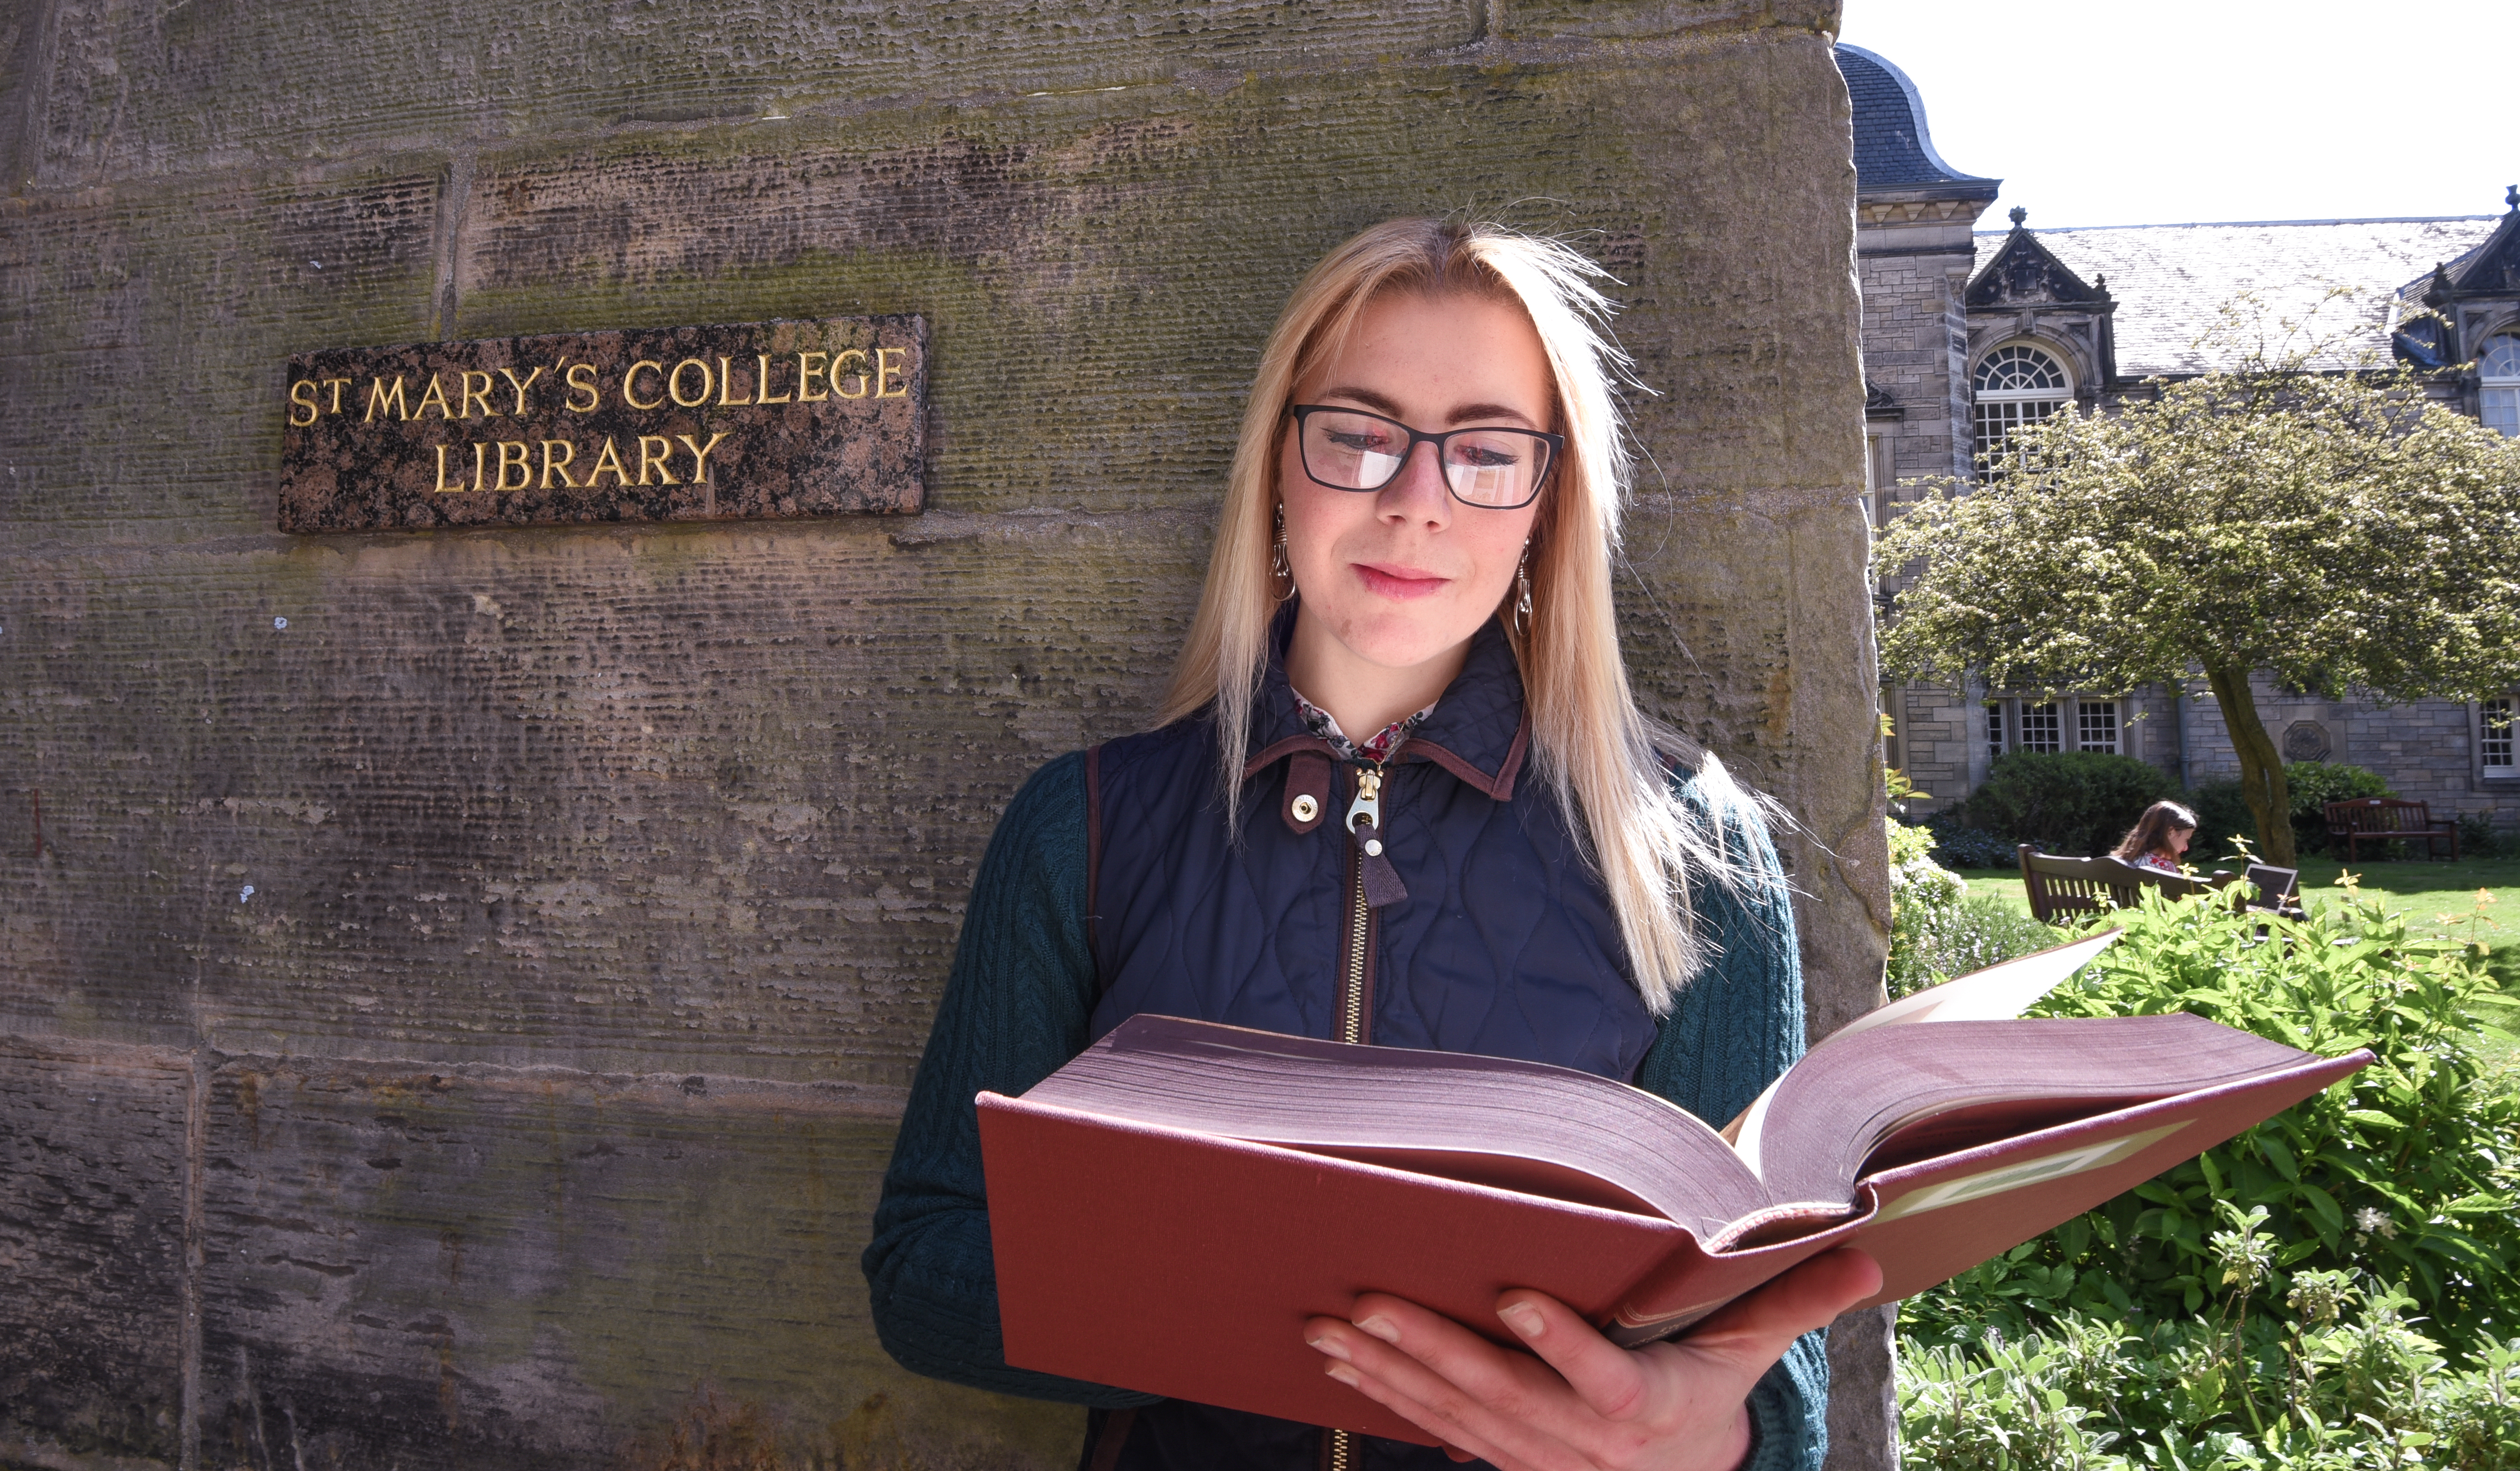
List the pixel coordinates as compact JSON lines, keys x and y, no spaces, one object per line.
{"x":1604,"y":760}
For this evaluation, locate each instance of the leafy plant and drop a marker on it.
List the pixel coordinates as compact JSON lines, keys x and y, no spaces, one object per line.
{"x":2078,"y":802}
{"x":1958,"y":845}
{"x":2405,"y":1171}
{"x":1938,"y":929}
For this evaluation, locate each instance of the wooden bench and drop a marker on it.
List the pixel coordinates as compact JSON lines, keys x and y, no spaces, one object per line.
{"x":2064,"y":889}
{"x":2389,"y":820}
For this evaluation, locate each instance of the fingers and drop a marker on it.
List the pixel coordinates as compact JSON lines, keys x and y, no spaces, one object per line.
{"x":1607,"y":1378}
{"x":1443,"y":1378}
{"x":1758,"y":1329}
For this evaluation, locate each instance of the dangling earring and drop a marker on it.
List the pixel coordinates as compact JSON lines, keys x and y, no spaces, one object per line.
{"x":1282,"y":574}
{"x":1522,"y":593}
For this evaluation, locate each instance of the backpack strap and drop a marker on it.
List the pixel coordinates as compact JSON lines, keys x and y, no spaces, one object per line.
{"x":1114,"y":1437}
{"x":1094,"y":877}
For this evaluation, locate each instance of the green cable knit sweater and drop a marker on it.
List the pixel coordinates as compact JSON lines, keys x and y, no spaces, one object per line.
{"x":1018,"y":1004}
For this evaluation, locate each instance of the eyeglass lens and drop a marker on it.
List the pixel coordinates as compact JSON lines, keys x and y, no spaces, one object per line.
{"x":1352,"y":451}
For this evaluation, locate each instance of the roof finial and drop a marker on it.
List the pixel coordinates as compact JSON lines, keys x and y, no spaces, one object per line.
{"x":2511,"y":196}
{"x":2019,"y":216}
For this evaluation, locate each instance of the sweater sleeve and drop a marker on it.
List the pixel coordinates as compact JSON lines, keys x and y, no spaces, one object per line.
{"x":1017,"y":1004}
{"x":1738,"y":1025}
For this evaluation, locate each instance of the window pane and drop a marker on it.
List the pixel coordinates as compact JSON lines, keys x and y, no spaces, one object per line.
{"x":2017,"y":369}
{"x":1996,"y":422}
{"x":2501,"y":408}
{"x":2500,"y":358}
{"x":1994,"y":728}
{"x":2496,"y":745}
{"x":2097,"y":721}
{"x":2040,"y":727}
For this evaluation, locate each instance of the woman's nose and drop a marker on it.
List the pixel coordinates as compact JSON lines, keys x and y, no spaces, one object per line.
{"x":1420,"y":492}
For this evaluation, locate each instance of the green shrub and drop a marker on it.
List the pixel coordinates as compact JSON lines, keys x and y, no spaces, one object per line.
{"x":1938,"y":929}
{"x":1958,"y":845}
{"x":2404,"y":1170}
{"x":2077,"y":802}
{"x":2347,"y":1382}
{"x":2221,"y":815}
{"x":2313,"y":784}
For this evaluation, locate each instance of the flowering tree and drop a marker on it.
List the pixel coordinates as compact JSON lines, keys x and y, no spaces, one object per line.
{"x":2335,"y":530}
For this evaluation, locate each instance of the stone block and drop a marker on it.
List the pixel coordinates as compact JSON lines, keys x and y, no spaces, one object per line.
{"x":467,"y":1269}
{"x":92,"y":1249}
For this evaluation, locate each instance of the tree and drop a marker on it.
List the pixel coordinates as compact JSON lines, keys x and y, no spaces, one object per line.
{"x":2337,"y":531}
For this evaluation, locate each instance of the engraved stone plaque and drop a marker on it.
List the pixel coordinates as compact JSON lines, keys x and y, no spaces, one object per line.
{"x":767,"y":420}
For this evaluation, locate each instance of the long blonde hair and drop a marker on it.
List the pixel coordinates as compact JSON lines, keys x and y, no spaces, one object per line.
{"x":1604,"y":760}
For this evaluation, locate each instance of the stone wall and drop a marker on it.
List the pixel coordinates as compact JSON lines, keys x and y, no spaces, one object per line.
{"x":2427,"y":751}
{"x":456,"y":989}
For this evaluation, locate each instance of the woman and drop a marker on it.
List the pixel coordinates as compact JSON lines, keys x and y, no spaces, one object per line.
{"x":2158,"y":838}
{"x":1399,"y":794}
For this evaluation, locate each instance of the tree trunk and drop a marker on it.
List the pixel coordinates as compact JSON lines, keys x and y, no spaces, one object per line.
{"x":2261,"y":772}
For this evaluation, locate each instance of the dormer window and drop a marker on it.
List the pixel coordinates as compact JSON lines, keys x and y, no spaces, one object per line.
{"x":2498,"y":368}
{"x":2016,"y":386}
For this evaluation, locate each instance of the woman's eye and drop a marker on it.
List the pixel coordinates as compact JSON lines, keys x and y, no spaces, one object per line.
{"x":1356,"y":442}
{"x":1483,"y":457}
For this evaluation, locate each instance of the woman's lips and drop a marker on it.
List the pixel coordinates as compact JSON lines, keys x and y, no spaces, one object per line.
{"x":1392,"y":580}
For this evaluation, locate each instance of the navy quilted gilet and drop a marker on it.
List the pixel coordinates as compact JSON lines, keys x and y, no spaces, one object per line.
{"x":1505,"y":943}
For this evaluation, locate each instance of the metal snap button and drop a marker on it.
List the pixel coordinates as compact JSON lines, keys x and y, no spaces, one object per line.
{"x":1305,"y":808}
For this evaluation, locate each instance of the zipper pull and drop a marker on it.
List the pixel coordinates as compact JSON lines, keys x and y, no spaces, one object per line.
{"x":1368,"y":809}
{"x":1381,"y":881}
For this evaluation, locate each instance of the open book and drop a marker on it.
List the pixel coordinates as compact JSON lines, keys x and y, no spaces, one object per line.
{"x":1168,"y":1208}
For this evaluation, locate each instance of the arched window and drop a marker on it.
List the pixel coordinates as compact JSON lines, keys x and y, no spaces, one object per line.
{"x":2016,"y":384}
{"x":2498,"y":367}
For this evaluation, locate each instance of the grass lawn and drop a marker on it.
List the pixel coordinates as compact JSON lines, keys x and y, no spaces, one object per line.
{"x":2424,"y":889}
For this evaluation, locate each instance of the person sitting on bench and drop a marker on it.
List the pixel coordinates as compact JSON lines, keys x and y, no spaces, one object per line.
{"x":2158,"y":837}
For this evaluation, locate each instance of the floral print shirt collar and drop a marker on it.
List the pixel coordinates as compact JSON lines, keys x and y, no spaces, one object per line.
{"x":1379,"y":748}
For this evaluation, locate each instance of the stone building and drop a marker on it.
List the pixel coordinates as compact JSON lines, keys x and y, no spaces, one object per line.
{"x":1968,"y":333}
{"x":457,"y":987}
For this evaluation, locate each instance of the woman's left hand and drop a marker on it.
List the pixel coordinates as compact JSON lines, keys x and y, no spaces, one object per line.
{"x":1584,"y":1403}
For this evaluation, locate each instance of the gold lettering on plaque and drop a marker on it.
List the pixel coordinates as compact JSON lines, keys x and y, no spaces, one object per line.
{"x":434,"y":395}
{"x":336,"y":384}
{"x":699,"y":456}
{"x":610,"y":458}
{"x":657,"y":458}
{"x":480,"y":395}
{"x":674,"y":383}
{"x":883,"y":370}
{"x":809,"y":366}
{"x":296,"y":403}
{"x":477,"y":447}
{"x":559,"y":467}
{"x":509,"y":374}
{"x":658,"y":401}
{"x":842,"y":361}
{"x":379,"y":398}
{"x":516,"y":462}
{"x":586,"y":386}
{"x":725,"y":381}
{"x":761,"y":385}
{"x":442,"y":487}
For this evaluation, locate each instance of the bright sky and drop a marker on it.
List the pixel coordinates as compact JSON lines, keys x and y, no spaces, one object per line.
{"x":2163,"y":111}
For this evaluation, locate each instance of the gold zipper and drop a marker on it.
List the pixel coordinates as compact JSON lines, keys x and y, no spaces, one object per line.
{"x":1339,"y":1454}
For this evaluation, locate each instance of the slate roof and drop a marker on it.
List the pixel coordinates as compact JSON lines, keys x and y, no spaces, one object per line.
{"x":1892,"y":149}
{"x":2172,"y":281}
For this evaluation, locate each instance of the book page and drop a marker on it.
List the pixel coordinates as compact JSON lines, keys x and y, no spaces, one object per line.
{"x":1997,"y":993}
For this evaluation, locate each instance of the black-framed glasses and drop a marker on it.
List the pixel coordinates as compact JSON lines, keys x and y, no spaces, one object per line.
{"x":1349,"y":449}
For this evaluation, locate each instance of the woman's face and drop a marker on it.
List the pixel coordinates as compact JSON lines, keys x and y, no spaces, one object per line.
{"x":1406,"y":574}
{"x":2176,"y":840}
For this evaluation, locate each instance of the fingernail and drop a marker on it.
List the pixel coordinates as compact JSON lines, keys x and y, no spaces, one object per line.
{"x":1523,"y":1318}
{"x":1380,"y":1328}
{"x":1329,"y":1344}
{"x":1341,"y":1372}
